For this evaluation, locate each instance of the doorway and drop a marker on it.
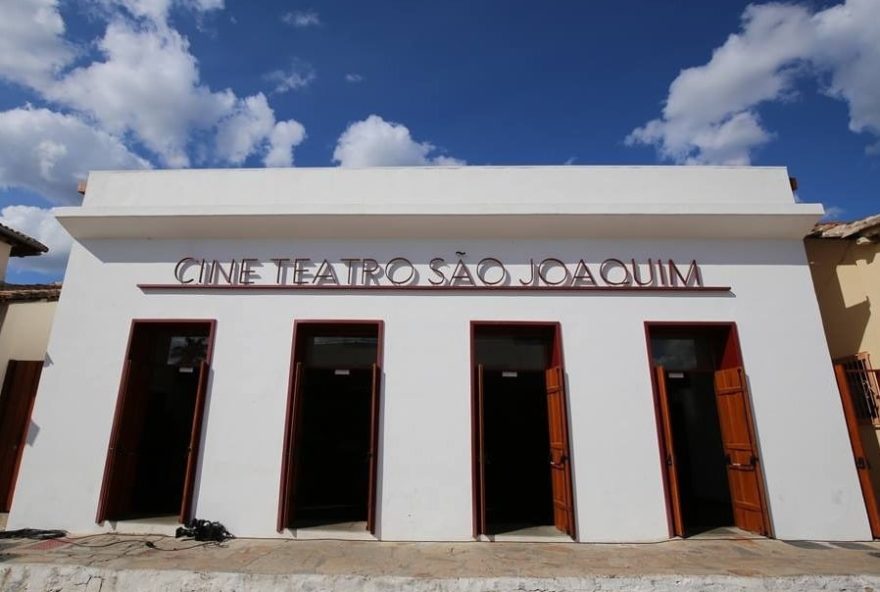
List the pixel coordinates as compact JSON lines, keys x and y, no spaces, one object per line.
{"x":859,"y":386}
{"x":522,"y":467}
{"x":16,"y":403}
{"x":157,"y":428}
{"x":330,"y":462}
{"x":709,"y":450}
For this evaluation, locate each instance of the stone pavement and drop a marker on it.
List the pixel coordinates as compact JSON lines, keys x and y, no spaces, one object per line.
{"x":111,"y":563}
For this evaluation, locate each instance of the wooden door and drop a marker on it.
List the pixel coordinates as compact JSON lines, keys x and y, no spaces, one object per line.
{"x":863,"y":467}
{"x":480,"y":437}
{"x":740,"y":449}
{"x":291,"y":448}
{"x":16,"y":404}
{"x":375,"y":410}
{"x":125,"y":434}
{"x":669,"y":451}
{"x":560,"y":456}
{"x":195,"y":441}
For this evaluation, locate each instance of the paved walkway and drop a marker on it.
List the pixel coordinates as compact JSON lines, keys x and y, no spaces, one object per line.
{"x":110,"y":563}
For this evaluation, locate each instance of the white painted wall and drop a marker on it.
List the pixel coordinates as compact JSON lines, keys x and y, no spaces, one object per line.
{"x":425,"y":473}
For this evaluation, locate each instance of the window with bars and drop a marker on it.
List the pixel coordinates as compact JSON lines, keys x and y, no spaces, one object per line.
{"x":864,"y":386}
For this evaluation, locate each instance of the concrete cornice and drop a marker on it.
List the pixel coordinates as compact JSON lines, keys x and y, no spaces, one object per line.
{"x":452,"y":220}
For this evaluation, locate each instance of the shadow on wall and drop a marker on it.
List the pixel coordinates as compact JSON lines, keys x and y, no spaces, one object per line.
{"x":845,"y":326}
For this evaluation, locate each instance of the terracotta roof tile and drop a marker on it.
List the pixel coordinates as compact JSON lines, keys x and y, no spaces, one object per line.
{"x":28,"y":292}
{"x":866,"y":227}
{"x":22,"y":244}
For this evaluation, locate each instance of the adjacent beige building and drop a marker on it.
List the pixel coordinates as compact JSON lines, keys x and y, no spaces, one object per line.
{"x":845,"y":263}
{"x":26,"y":310}
{"x":845,"y":266}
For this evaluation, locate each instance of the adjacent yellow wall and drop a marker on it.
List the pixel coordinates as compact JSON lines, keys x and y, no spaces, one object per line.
{"x":847,"y":280}
{"x":24,"y":334}
{"x":5,"y":249}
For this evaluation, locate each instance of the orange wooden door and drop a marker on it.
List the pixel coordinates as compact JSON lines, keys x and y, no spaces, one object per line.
{"x":669,"y":451}
{"x":195,"y":441}
{"x":375,"y":410}
{"x":16,"y":404}
{"x":740,"y":449}
{"x":291,"y":448}
{"x":560,"y":457}
{"x":863,"y":467}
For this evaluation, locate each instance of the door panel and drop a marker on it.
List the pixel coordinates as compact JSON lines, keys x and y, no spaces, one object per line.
{"x":375,"y":409}
{"x":560,"y":458}
{"x":743,"y":464}
{"x":192,"y":454}
{"x":863,"y":467}
{"x":288,"y":476}
{"x":16,"y":404}
{"x":669,"y":451}
{"x":119,"y":473}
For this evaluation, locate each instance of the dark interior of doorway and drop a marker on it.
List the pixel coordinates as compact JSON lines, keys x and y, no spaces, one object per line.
{"x":517,"y":441}
{"x":515,"y":429}
{"x":334,"y":424}
{"x":333,"y":467}
{"x":702,"y":472}
{"x":690,"y":359}
{"x":157,"y":419}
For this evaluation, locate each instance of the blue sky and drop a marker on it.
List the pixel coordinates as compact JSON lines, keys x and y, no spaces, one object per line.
{"x":90,"y":84}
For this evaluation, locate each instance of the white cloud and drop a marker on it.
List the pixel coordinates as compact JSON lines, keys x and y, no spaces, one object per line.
{"x":143,"y":92}
{"x":48,"y":152}
{"x":848,"y":46}
{"x":710,"y":115}
{"x":157,"y":10}
{"x":285,"y":135}
{"x":300,"y":75}
{"x":148,"y":84}
{"x":301,"y":18}
{"x":352,"y":77}
{"x":242,"y":131}
{"x":376,"y":142}
{"x":730,"y":141}
{"x":40,"y":224}
{"x":206,"y":5}
{"x":32,"y":47}
{"x":833,"y":213}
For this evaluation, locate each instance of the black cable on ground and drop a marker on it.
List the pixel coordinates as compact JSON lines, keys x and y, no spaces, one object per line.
{"x":152,"y":545}
{"x":105,"y":545}
{"x":33,"y":534}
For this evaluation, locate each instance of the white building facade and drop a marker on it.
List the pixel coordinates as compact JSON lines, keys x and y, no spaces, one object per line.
{"x":441,"y":354}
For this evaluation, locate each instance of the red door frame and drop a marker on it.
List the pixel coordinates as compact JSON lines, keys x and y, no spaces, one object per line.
{"x":103,"y":498}
{"x":301,"y":329}
{"x":556,"y":359}
{"x":731,"y":357}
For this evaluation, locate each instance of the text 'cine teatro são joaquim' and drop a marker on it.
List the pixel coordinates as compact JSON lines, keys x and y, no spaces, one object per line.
{"x":441,"y":354}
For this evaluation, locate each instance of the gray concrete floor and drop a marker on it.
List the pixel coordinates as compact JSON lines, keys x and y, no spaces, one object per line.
{"x":761,"y":558}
